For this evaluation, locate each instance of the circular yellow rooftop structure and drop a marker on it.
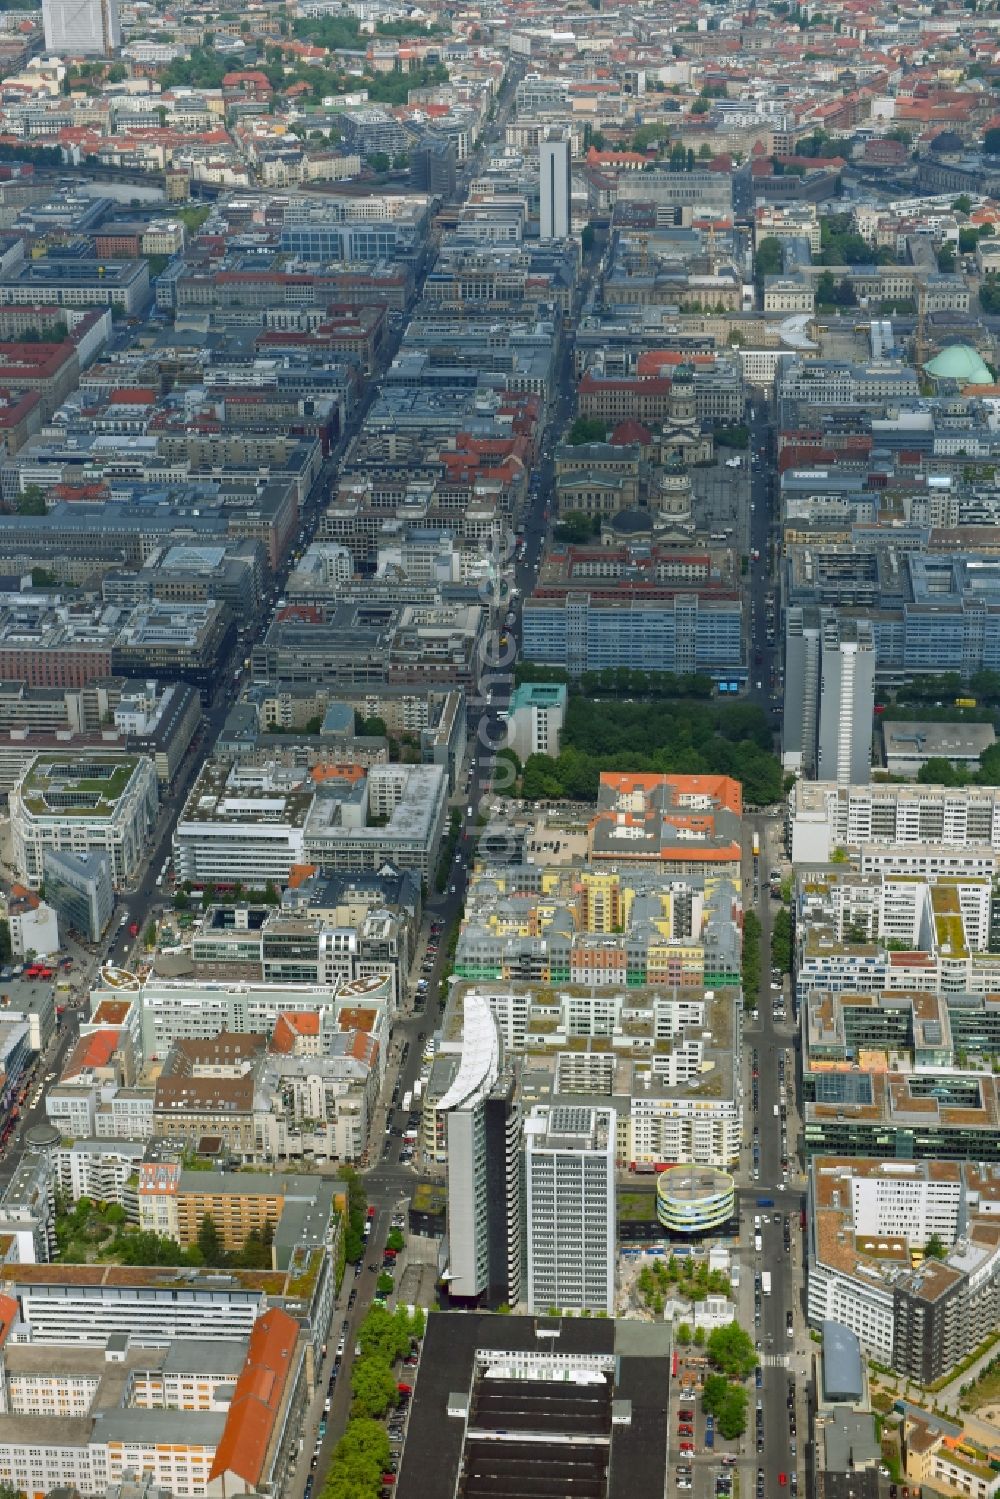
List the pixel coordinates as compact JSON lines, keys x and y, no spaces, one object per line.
{"x":694,"y":1199}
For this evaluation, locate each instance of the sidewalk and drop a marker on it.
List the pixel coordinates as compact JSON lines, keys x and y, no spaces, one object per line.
{"x":948,"y":1397}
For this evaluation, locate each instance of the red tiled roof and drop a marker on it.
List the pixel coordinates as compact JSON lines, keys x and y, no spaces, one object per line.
{"x":257,"y":1398}
{"x":628,"y":432}
{"x":290,"y":1025}
{"x":8,"y":1316}
{"x":95,"y":1050}
{"x":133,"y":396}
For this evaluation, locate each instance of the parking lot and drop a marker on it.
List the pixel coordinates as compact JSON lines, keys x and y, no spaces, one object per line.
{"x":703,"y":1462}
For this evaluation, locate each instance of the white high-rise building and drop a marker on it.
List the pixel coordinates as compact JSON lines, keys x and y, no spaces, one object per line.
{"x":554,"y":186}
{"x":846,"y":701}
{"x":570,"y":1181}
{"x":82,"y":27}
{"x":829,"y":695}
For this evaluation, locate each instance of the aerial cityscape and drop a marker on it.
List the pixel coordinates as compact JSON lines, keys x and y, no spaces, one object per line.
{"x":499,"y":776}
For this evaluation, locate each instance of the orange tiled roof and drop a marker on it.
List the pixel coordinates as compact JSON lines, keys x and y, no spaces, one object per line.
{"x":257,"y":1398}
{"x":133,"y":396}
{"x":655,"y":361}
{"x":290,"y":1025}
{"x":8,"y":1316}
{"x":95,"y":1050}
{"x":336,"y":772}
{"x":725,"y":790}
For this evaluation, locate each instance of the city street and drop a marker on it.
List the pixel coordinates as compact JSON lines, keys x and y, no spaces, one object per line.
{"x":781,"y":1355}
{"x":764,"y":653}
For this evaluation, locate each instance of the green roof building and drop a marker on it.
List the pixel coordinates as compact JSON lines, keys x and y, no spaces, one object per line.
{"x":80,"y":804}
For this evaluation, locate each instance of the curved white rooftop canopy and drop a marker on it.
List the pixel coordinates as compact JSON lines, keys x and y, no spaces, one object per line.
{"x":479,"y":1067}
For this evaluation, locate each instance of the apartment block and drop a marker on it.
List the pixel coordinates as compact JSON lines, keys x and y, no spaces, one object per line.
{"x":601,"y":927}
{"x":829,"y":695}
{"x":170,"y":1010}
{"x":666,"y":1062}
{"x":237,"y":1202}
{"x":692,"y":631}
{"x":685,"y":824}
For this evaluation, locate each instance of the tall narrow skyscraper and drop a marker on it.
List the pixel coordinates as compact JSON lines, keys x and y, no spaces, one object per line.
{"x":829,"y":695}
{"x":554,"y":186}
{"x":846,"y":701}
{"x":483,"y":1113}
{"x":76,"y":28}
{"x":570,"y":1184}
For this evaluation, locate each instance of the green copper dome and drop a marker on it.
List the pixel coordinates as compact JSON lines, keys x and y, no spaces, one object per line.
{"x":959,"y":362}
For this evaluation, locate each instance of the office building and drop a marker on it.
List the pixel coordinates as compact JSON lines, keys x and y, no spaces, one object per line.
{"x":537,"y":711}
{"x":554,"y":186}
{"x":868,"y":1222}
{"x":684,"y":629}
{"x":81,"y":27}
{"x":103,"y":802}
{"x":193,"y":1417}
{"x":577,"y":1403}
{"x":79,"y":283}
{"x":432,"y":167}
{"x":909,"y":746}
{"x":243,"y":824}
{"x":395,"y":815}
{"x":79,"y":888}
{"x":918,"y":824}
{"x":71,"y":1304}
{"x":570,"y":1198}
{"x":483,"y":1121}
{"x":829,"y":695}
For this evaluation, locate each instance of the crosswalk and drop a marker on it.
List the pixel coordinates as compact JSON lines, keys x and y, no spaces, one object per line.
{"x":774,"y":1360}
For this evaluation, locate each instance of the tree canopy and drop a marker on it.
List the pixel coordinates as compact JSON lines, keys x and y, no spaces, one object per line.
{"x":357,"y":1206}
{"x":731,"y":1351}
{"x":690,"y":737}
{"x":576,"y":527}
{"x":587,"y":429}
{"x":767,"y":259}
{"x":727,"y":1402}
{"x":359,"y":1460}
